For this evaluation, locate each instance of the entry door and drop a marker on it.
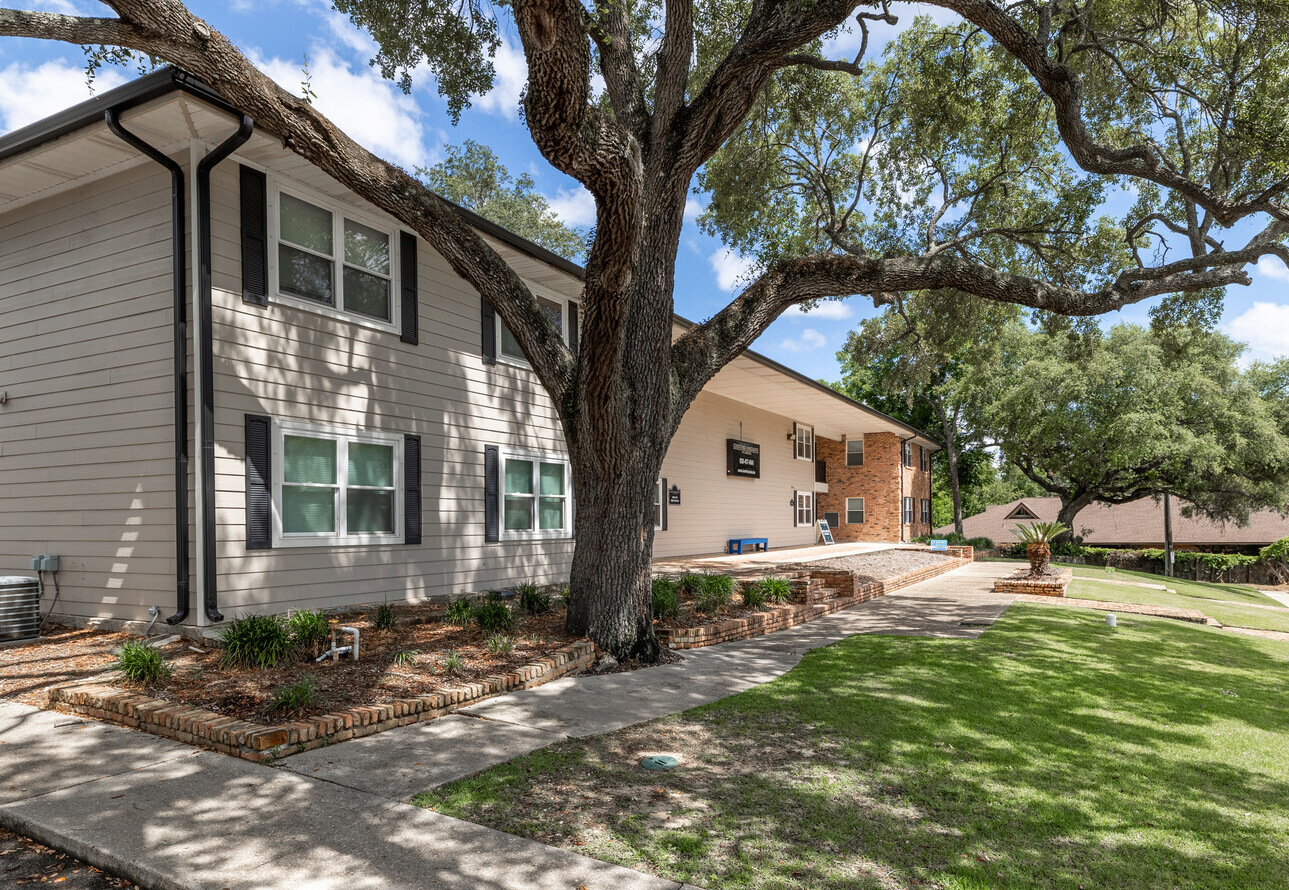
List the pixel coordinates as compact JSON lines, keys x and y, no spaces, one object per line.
{"x":805,"y":508}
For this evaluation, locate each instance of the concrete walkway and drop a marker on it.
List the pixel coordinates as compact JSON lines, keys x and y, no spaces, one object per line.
{"x":167,"y":816}
{"x":768,"y":560}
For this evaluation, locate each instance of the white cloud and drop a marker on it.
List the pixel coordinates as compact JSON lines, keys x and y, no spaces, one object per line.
{"x":1265,"y":327}
{"x":731,"y":267}
{"x":829,"y":309}
{"x":32,"y":93}
{"x":366,"y":106}
{"x":1272,"y":267}
{"x":512,"y":74}
{"x":693,"y":208}
{"x":574,"y":206}
{"x":349,"y":34}
{"x":810,"y":339}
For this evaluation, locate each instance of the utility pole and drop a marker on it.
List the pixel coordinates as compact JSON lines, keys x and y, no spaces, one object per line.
{"x":1168,"y":535}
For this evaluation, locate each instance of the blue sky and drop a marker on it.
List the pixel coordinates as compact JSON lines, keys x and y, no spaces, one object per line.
{"x":38,"y":79}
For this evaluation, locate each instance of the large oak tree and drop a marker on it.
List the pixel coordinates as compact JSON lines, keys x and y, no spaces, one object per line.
{"x":1180,"y":100}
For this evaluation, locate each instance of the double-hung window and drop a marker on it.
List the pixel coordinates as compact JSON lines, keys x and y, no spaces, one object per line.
{"x":559,"y":312}
{"x":336,"y":486}
{"x":908,"y":511}
{"x":926,"y":511}
{"x":805,"y":442}
{"x":922,"y":453}
{"x":537,"y":502}
{"x":327,"y":257}
{"x":805,"y":508}
{"x":658,"y":495}
{"x":854,"y":511}
{"x":855,"y":452}
{"x":908,"y":454}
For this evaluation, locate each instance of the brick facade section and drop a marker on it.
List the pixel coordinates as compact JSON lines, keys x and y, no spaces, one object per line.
{"x":878,"y":483}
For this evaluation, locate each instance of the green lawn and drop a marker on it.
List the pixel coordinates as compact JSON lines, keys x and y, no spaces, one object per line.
{"x":1211,"y":599}
{"x":1053,"y":752}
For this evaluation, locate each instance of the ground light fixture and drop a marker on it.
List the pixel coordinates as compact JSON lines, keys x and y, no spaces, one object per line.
{"x":1111,"y":620}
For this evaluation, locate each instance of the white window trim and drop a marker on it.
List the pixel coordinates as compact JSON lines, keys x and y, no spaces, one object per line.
{"x":906,"y":454}
{"x":283,"y":428}
{"x":796,"y":441}
{"x":906,"y":511}
{"x":564,"y":303}
{"x":860,"y":440}
{"x":924,"y":459}
{"x":534,"y":534}
{"x":797,"y":523}
{"x":863,"y":511}
{"x":926,"y":511}
{"x":338,"y":213}
{"x":659,"y":494}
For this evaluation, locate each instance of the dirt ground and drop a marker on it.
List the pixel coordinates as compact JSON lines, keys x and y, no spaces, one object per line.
{"x":24,"y":862}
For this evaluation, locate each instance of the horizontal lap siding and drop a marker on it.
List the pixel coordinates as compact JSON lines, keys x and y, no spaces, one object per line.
{"x":294,"y":364}
{"x":715,"y":507}
{"x":86,"y":439}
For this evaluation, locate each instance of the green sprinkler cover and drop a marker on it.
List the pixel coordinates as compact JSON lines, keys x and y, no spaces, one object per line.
{"x":660,"y":761}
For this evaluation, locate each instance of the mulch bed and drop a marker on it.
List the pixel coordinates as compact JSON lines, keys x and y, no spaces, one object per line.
{"x":198,"y":678}
{"x":25,"y":862}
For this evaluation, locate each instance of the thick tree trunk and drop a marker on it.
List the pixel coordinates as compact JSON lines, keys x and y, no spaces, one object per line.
{"x":951,"y":459}
{"x":1070,"y":508}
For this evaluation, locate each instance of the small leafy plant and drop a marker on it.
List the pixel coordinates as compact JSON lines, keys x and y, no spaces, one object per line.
{"x":385,"y":618}
{"x":500,"y":644}
{"x":715,"y":594}
{"x":460,"y":612}
{"x":308,"y":631}
{"x":493,"y":616}
{"x":666,"y":601}
{"x":406,"y":656}
{"x":141,"y":663}
{"x":257,"y":641}
{"x":532,"y":600}
{"x":690,"y":584}
{"x":776,"y":590}
{"x":453,"y":663}
{"x":297,"y":697}
{"x":753,"y":594}
{"x":564,"y":596}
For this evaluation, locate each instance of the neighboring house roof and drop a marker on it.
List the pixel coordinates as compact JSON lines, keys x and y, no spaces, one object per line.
{"x":780,"y":391}
{"x":1139,"y":523}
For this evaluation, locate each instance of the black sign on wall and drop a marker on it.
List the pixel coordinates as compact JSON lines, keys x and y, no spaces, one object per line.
{"x":673,"y":496}
{"x":742,"y":459}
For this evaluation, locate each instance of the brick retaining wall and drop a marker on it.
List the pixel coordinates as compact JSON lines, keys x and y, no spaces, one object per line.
{"x":252,"y":741}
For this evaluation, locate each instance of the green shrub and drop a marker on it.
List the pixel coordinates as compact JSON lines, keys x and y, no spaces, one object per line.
{"x":385,"y":618}
{"x":776,"y":590}
{"x":406,"y":656}
{"x":297,"y":697}
{"x":564,"y":596}
{"x":460,"y":612}
{"x":1276,"y":558}
{"x":532,"y":600}
{"x":690,"y":584}
{"x":308,"y":631}
{"x":666,"y":601}
{"x":500,"y":644}
{"x":141,"y":663}
{"x":753,"y":595}
{"x":981,"y":543}
{"x":453,"y":663}
{"x":257,"y":641}
{"x":493,"y":616}
{"x":715,"y":595}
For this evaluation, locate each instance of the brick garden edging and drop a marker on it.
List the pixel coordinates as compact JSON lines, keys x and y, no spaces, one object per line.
{"x":792,"y":614}
{"x":257,"y":742}
{"x":1036,"y":586}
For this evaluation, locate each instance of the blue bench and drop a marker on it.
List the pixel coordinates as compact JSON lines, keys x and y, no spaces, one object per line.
{"x":737,"y":544}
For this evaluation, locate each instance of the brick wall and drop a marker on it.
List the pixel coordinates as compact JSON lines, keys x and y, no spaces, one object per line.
{"x":878,"y":483}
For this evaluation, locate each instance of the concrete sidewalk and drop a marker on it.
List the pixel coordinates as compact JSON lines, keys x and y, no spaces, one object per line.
{"x":167,"y":816}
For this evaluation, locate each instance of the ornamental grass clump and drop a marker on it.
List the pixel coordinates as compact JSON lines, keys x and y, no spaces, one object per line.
{"x":666,"y":600}
{"x":776,"y":590}
{"x":753,"y":593}
{"x":257,"y":641}
{"x":1037,"y":538}
{"x":460,"y":612}
{"x":297,"y":697}
{"x":493,"y":616}
{"x":532,"y":600}
{"x":308,"y":631}
{"x":715,"y":595}
{"x":385,"y":618}
{"x":453,"y":663}
{"x":500,"y":645}
{"x":141,"y":663}
{"x":690,"y":584}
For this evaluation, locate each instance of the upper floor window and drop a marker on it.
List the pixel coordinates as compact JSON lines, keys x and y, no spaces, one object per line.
{"x":908,"y":454}
{"x":855,"y":452}
{"x":561,"y":314}
{"x":326,"y":256}
{"x":805,"y":441}
{"x":922,"y":456}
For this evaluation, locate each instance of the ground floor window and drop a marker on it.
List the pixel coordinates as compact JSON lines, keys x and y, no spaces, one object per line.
{"x":536,"y":495}
{"x":854,"y":511}
{"x":926,"y":511}
{"x":805,"y":508}
{"x":336,"y":486}
{"x":658,"y":495}
{"x":908,"y":511}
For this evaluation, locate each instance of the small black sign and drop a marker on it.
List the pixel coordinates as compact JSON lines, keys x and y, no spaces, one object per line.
{"x":673,"y":496}
{"x":743,"y":459}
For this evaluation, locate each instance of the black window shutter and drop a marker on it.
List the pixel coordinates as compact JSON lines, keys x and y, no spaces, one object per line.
{"x":572,"y":327}
{"x":408,"y":286}
{"x":411,"y":489}
{"x":489,"y":333}
{"x":259,"y":483}
{"x":255,"y":241}
{"x":663,"y":503}
{"x":491,"y":494}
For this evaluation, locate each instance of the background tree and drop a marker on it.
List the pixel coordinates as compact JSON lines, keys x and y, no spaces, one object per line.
{"x":1117,"y":417}
{"x":947,"y":166}
{"x":932,"y":351}
{"x":473,"y":176}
